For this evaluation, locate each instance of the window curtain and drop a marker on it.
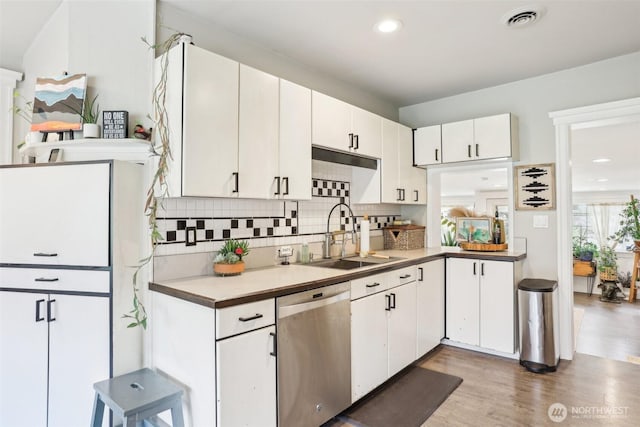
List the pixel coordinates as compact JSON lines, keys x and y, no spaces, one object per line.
{"x":600,"y":222}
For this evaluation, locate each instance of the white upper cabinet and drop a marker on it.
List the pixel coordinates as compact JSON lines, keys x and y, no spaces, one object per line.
{"x":400,"y":182}
{"x":202,"y":107}
{"x":258,"y":133}
{"x":61,"y":220}
{"x":294,"y":177}
{"x":341,"y":126}
{"x":427,"y":145}
{"x":479,"y":139}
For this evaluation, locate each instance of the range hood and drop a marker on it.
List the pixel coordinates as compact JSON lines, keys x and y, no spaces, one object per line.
{"x":325,"y":155}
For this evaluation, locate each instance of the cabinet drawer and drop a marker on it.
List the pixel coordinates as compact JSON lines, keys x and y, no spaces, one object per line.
{"x":401,"y":276}
{"x":243,"y":318}
{"x":51,"y":279}
{"x":368,"y":285}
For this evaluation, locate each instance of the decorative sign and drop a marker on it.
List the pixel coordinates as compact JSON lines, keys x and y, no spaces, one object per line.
{"x":115,"y":124}
{"x":535,"y":187}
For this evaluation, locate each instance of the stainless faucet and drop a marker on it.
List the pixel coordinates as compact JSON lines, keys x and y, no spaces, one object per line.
{"x":328,"y":237}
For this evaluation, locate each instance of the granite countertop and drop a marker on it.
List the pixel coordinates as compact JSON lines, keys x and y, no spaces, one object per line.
{"x":274,"y":281}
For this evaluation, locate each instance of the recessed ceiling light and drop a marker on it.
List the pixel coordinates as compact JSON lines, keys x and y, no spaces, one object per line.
{"x":602,"y":160}
{"x":602,"y":180}
{"x":388,"y":26}
{"x":522,"y":16}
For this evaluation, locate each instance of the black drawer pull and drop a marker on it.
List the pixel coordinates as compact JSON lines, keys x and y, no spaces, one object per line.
{"x":373,"y":285}
{"x":421,"y":270}
{"x":248,"y":319}
{"x":45,"y":279}
{"x":274,"y":353}
{"x":405,"y":276}
{"x":45,"y":254}
{"x":50,"y":318}
{"x":393,"y":300}
{"x":388,"y":302}
{"x":38,"y":317}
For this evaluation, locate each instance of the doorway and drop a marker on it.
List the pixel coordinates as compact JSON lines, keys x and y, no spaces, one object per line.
{"x":566,"y":122}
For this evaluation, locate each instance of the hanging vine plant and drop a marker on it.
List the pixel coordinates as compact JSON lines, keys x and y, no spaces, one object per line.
{"x":158,"y":188}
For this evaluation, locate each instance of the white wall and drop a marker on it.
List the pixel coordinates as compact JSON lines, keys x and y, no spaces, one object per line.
{"x":216,"y":39}
{"x":102,"y":39}
{"x":531,"y":100}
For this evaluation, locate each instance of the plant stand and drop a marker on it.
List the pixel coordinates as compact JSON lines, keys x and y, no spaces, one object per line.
{"x":634,"y":274}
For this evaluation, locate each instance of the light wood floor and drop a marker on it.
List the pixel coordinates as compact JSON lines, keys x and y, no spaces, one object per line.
{"x":608,"y":330}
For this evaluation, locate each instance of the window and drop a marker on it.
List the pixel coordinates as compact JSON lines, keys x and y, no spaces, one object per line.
{"x":598,"y":222}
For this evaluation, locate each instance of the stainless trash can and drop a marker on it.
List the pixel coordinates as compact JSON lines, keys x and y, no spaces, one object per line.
{"x":539,"y":340}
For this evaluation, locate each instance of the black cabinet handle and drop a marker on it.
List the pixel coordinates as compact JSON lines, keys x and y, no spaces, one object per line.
{"x":474,"y":268}
{"x":50,"y":318}
{"x":236,"y":177}
{"x":388,"y":302}
{"x":403,"y":194}
{"x":393,"y":300}
{"x":274,"y":353}
{"x":477,"y":150}
{"x":437,"y":160}
{"x":38,"y":317}
{"x":357,"y":141}
{"x":277,"y":193}
{"x":469,"y":150}
{"x":399,"y":190}
{"x":405,"y":276}
{"x":421,"y":277}
{"x":482,"y":269}
{"x":45,"y":279}
{"x":248,"y":319}
{"x":350,"y":140}
{"x":373,"y":285}
{"x":285,"y":180}
{"x":45,"y":254}
{"x":416,"y":199}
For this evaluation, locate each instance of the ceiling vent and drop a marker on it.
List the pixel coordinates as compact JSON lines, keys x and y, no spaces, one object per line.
{"x":522,"y":17}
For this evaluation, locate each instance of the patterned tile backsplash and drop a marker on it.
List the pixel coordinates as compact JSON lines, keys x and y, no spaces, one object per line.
{"x":267,"y":222}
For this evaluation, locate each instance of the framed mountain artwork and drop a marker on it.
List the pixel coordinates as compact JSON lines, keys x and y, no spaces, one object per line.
{"x":535,"y":187}
{"x":58,"y":103}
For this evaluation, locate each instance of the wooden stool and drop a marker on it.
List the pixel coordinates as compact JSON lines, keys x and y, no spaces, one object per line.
{"x":634,"y":274}
{"x":137,"y":396}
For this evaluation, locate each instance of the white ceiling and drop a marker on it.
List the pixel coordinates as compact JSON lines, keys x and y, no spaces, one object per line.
{"x":444,"y":47}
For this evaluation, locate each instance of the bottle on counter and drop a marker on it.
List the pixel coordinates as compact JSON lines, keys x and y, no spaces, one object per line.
{"x":364,"y":236}
{"x":304,"y":253}
{"x":497,"y":230}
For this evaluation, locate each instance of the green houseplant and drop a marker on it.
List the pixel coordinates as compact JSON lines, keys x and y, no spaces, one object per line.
{"x":229,"y":259}
{"x":608,"y":263}
{"x":629,"y":225}
{"x":583,"y":249}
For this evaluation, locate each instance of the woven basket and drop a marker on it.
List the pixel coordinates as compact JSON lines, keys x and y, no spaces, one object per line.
{"x":608,"y":274}
{"x":404,"y":237}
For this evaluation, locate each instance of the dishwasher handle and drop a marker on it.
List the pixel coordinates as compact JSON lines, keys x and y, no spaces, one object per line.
{"x":317,"y":302}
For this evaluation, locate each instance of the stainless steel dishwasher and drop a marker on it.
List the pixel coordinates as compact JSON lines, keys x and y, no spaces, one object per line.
{"x":314,"y":355}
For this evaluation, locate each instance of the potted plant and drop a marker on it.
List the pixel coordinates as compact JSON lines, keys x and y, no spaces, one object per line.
{"x":90,"y":111}
{"x":629,"y":223}
{"x":583,"y":250}
{"x":608,"y":264}
{"x":229,"y":262}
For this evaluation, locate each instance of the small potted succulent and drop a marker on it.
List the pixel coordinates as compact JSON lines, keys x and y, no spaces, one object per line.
{"x":228,"y":261}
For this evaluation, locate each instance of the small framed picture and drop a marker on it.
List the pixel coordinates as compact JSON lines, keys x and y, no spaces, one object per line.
{"x":476,"y":230}
{"x":535,"y":187}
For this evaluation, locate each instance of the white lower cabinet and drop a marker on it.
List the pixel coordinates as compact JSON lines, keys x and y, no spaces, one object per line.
{"x":246,"y":379}
{"x":430,"y":306}
{"x":54,"y":347}
{"x":383,"y":336}
{"x":481,"y":303}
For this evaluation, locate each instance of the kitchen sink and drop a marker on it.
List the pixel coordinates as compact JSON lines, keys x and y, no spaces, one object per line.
{"x":350,"y":263}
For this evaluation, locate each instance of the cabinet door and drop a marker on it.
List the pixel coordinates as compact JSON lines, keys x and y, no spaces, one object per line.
{"x":78,"y":356}
{"x":427,"y":145}
{"x":430,"y":307}
{"x":295,"y":141}
{"x":413,"y":180}
{"x":402,"y":327}
{"x":463,"y":298}
{"x":493,"y":136}
{"x":497,"y":306}
{"x":330,"y":122}
{"x":368,"y":130}
{"x":390,"y":180}
{"x":56,"y":214}
{"x":369,"y":359}
{"x":210,"y":124}
{"x":457,"y":141}
{"x":23,"y":359}
{"x":246,"y":379}
{"x":258,"y":134}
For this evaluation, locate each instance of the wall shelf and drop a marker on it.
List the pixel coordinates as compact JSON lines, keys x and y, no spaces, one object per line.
{"x":127,"y":149}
